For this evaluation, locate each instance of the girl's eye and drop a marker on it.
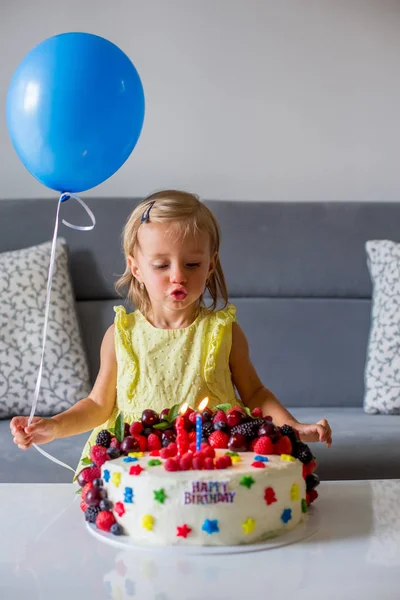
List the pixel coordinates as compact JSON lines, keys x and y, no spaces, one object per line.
{"x":193,"y":265}
{"x":160,"y":266}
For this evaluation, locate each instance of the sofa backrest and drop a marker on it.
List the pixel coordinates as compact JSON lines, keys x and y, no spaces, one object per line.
{"x":296,"y":272}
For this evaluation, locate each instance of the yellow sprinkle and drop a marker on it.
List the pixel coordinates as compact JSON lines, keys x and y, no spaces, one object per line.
{"x":287,"y":457}
{"x":136,"y":454}
{"x":116,"y":478}
{"x":236,"y":459}
{"x":295,"y":492}
{"x":248,"y":526}
{"x":148,"y":522}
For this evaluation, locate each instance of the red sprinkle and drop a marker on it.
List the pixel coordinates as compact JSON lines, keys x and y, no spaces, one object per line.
{"x":258,"y":464}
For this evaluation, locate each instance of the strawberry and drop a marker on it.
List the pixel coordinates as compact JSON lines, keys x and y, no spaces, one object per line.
{"x":283,"y":446}
{"x":219,"y":416}
{"x":142,"y":441}
{"x":256,"y":413}
{"x":192,"y":418}
{"x":104,"y":520}
{"x":218,"y":439}
{"x":136,"y":428}
{"x":252,"y":444}
{"x":115,"y":443}
{"x":83,"y":506}
{"x":98,"y":455}
{"x":164,"y":453}
{"x":153,"y":442}
{"x":85,"y":490}
{"x":264,"y":445}
{"x":309,"y":468}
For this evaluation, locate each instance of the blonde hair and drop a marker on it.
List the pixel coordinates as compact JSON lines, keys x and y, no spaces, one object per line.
{"x":184,"y":210}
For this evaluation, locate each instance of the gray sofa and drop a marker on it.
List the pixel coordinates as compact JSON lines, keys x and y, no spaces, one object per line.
{"x":298,"y":276}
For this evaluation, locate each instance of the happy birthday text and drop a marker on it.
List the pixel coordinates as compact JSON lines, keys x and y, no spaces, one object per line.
{"x":209,"y":492}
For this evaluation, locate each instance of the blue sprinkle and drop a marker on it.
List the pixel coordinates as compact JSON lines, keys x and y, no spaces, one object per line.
{"x":260,"y":458}
{"x":106,"y":475}
{"x":128,"y":495}
{"x":129,"y":459}
{"x":210,"y":526}
{"x":130,"y":587}
{"x":286,"y":515}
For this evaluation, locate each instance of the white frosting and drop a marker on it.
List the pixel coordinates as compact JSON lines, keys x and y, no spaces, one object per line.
{"x":218,"y":497}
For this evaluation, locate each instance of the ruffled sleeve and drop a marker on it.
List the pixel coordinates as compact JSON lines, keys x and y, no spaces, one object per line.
{"x":128,"y":370}
{"x":218,"y":344}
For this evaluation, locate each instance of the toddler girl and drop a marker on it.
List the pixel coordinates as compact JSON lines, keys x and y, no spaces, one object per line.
{"x":175,"y":347}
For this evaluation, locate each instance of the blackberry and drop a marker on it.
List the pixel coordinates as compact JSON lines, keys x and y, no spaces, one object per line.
{"x":249,"y":428}
{"x":103,"y":438}
{"x":290,"y":433}
{"x":221,"y":426}
{"x":303,"y":453}
{"x":91,"y":513}
{"x":208,"y":428}
{"x":312,"y":481}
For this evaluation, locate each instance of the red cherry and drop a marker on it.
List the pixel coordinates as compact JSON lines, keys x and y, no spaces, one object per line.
{"x":235,"y":417}
{"x":238,"y":442}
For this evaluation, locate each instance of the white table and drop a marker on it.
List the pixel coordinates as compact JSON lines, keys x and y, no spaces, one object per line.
{"x":46,"y":553}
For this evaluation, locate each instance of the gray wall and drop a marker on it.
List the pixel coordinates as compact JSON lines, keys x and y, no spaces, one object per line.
{"x":251,"y":99}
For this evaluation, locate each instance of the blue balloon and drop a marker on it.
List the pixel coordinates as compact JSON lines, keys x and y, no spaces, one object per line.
{"x":75,"y":110}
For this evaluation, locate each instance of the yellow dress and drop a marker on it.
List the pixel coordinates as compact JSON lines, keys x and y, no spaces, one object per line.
{"x":157,"y":368}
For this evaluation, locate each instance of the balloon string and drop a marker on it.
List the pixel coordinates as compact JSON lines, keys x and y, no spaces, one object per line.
{"x":63,"y":197}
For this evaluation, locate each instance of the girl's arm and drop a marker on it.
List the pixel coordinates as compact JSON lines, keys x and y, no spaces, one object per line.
{"x":84,"y":415}
{"x":254,"y":394}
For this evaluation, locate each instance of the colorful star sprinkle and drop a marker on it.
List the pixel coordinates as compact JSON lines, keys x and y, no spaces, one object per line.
{"x":159,"y":495}
{"x":295,"y":492}
{"x":258,"y":464}
{"x":148,"y":522}
{"x":119,"y":508}
{"x":236,"y":459}
{"x":183,"y":531}
{"x":231,"y":454}
{"x":128,"y":495}
{"x":106,"y":475}
{"x":116,"y":478}
{"x":260,"y":458}
{"x":136,"y":454}
{"x":135,"y":470}
{"x":210,"y":526}
{"x":248,"y":526}
{"x":130,"y":459}
{"x":304,"y":505}
{"x":287,"y":457}
{"x":247,"y":481}
{"x":286,"y":515}
{"x":154,"y":462}
{"x":269,"y":496}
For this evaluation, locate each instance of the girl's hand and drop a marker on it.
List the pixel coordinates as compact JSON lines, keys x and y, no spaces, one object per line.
{"x":40,"y":431}
{"x":315,"y":432}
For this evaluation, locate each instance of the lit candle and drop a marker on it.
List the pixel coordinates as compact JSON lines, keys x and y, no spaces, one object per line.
{"x":181,"y":435}
{"x":199,"y":423}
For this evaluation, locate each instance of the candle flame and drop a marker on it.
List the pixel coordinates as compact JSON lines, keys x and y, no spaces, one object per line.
{"x":183,"y":408}
{"x":203,"y":404}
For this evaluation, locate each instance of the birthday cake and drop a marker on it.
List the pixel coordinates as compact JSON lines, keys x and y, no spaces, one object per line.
{"x":235,"y":479}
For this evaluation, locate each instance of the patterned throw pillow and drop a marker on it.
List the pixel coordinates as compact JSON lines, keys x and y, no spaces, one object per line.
{"x":23,"y":282}
{"x":382,"y":370}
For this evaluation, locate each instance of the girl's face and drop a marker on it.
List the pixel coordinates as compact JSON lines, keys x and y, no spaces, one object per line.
{"x":173,"y":269}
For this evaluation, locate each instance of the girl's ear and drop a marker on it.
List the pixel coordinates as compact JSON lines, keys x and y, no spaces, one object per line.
{"x":134,"y":268}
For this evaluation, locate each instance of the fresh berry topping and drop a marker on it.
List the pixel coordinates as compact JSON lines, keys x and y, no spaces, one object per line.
{"x":208,"y":452}
{"x":164,"y":414}
{"x":129,"y":444}
{"x":228,"y":461}
{"x":136,"y":428}
{"x":208,"y":428}
{"x":86,"y":488}
{"x":167,"y":437}
{"x":235,"y":408}
{"x":218,"y":439}
{"x":164,"y":453}
{"x":105,"y":504}
{"x":103,"y":438}
{"x":312,"y":481}
{"x":257,"y":413}
{"x":221,"y":426}
{"x":252,"y":444}
{"x":235,"y":417}
{"x":84,"y":506}
{"x":88,"y":474}
{"x":249,"y":428}
{"x":105,"y":520}
{"x":303,"y":453}
{"x":185,"y":462}
{"x":116,"y":529}
{"x":268,"y":429}
{"x":312,"y":495}
{"x":283,"y":446}
{"x":91,"y":514}
{"x":94,"y":496}
{"x":150,"y":418}
{"x":192,"y":447}
{"x":219,"y":417}
{"x":221,"y":463}
{"x":142,"y":441}
{"x":156,"y":452}
{"x":98,"y":482}
{"x":171,"y":465}
{"x":208,"y":463}
{"x":290,"y":432}
{"x":238,"y":442}
{"x":264,"y":445}
{"x":207,"y":414}
{"x":309,"y":468}
{"x":192,"y":418}
{"x":173,"y":449}
{"x":115,"y":443}
{"x":113,"y":453}
{"x":197,"y":463}
{"x":192,"y":437}
{"x":98,"y":455}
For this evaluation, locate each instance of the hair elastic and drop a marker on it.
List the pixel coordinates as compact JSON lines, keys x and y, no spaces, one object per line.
{"x":146,"y":214}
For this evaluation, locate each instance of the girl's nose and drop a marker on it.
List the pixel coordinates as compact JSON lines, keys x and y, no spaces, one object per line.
{"x":178,"y":276}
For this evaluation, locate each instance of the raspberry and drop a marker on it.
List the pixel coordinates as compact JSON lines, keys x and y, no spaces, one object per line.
{"x":192,"y":418}
{"x":103,"y":438}
{"x":91,"y":513}
{"x":153,"y":442}
{"x":173,"y":448}
{"x":283,"y":446}
{"x":218,"y":439}
{"x":104,"y":520}
{"x":253,"y":443}
{"x":192,"y":447}
{"x":171,"y":465}
{"x":309,"y":468}
{"x":115,"y":443}
{"x":228,"y":461}
{"x":185,"y":462}
{"x":208,"y":452}
{"x":98,"y":455}
{"x":84,"y":506}
{"x":164,"y":453}
{"x":192,"y":437}
{"x":220,"y":463}
{"x":142,"y":441}
{"x":197,"y":462}
{"x":136,"y":428}
{"x":85,"y":490}
{"x":88,"y":474}
{"x":264,"y":445}
{"x":219,"y":416}
{"x":239,"y":408}
{"x":257,"y":413}
{"x":208,"y":463}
